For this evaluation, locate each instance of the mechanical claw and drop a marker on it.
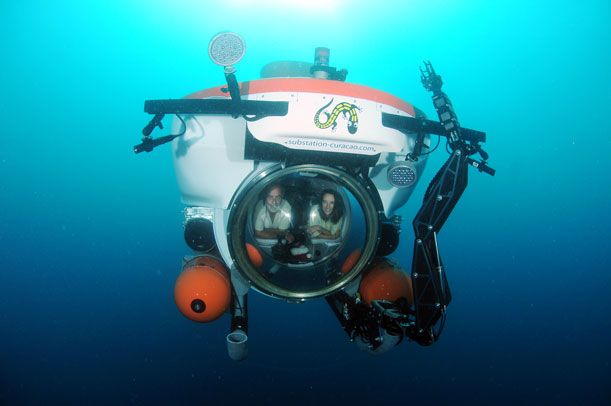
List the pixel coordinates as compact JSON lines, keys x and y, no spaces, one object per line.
{"x":430,"y":80}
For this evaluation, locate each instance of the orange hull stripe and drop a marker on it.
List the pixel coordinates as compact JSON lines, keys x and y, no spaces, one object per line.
{"x":306,"y":85}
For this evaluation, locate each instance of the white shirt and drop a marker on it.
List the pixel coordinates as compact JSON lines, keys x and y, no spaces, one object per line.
{"x":281,"y":221}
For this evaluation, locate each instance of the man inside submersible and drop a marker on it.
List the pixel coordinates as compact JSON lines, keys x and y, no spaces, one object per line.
{"x":273,"y":215}
{"x":227,"y":231}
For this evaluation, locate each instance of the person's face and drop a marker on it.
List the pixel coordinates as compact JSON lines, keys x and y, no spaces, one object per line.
{"x":328,"y":203}
{"x":274,"y":199}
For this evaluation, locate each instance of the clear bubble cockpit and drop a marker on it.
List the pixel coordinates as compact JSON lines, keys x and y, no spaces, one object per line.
{"x":303,"y":231}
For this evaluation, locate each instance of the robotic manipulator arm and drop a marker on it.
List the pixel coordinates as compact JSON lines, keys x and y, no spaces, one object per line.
{"x":383,"y":324}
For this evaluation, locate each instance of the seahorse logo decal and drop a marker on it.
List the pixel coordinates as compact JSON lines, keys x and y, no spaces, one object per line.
{"x":348,"y":110}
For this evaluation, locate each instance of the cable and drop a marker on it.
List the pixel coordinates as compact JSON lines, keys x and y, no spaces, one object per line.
{"x":435,"y":147}
{"x":238,"y":304}
{"x":441,"y":324}
{"x":184,"y":126}
{"x":252,"y":118}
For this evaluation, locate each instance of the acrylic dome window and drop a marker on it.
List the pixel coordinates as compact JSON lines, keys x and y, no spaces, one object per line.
{"x":304,"y":231}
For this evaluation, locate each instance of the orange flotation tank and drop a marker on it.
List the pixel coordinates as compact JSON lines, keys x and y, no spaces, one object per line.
{"x":385,"y":280}
{"x":203,"y":290}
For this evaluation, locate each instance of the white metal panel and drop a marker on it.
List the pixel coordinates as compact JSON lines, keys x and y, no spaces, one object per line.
{"x":209,"y":159}
{"x":299,"y":129}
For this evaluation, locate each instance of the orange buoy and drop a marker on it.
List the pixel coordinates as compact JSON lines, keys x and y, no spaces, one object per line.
{"x":254,"y":255}
{"x":351,"y":260}
{"x":203,"y":290}
{"x":385,"y":280}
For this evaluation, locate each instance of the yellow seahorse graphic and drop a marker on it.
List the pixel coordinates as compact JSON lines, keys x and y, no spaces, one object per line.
{"x":349,"y":111}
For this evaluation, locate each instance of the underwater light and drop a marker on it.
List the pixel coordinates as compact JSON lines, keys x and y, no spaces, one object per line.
{"x":226,"y":49}
{"x":401,"y":174}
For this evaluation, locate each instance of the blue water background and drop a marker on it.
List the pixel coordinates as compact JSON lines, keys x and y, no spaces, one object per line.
{"x":91,"y":234}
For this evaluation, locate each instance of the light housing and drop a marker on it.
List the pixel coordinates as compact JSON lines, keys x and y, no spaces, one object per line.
{"x":402,"y":174}
{"x":226,"y":49}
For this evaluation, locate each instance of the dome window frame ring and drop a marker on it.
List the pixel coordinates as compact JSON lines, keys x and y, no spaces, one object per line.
{"x":247,"y":196}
